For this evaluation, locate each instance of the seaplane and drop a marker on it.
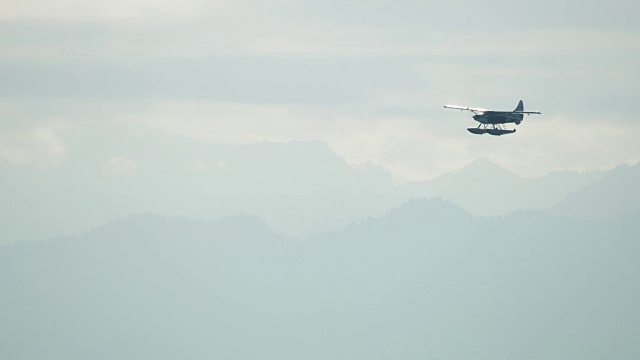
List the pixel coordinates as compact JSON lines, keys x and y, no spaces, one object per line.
{"x":492,"y":121}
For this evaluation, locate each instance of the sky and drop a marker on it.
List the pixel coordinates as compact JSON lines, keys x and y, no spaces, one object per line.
{"x":367,"y":78}
{"x":206,"y":109}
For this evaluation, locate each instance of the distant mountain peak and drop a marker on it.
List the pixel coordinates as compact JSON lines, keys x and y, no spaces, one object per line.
{"x":483,"y":166}
{"x":611,"y":196}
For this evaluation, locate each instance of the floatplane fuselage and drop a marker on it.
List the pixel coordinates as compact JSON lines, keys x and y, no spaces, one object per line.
{"x":491,"y":121}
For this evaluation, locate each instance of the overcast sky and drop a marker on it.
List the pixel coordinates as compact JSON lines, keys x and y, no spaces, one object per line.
{"x":369,"y":78}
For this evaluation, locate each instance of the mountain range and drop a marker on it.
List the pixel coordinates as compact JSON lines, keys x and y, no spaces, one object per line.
{"x":427,"y":280}
{"x":615,"y":194}
{"x":483,"y":188}
{"x":297,"y":188}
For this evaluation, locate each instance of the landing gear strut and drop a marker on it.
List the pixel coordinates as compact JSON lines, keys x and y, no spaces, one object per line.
{"x":492,"y":129}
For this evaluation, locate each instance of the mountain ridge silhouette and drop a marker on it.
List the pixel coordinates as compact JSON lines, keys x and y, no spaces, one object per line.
{"x":425,"y":273}
{"x":298,"y":188}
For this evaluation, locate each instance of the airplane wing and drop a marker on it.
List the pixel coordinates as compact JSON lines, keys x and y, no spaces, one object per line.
{"x":511,"y":112}
{"x":478,"y":110}
{"x":465,"y":108}
{"x":527,"y":112}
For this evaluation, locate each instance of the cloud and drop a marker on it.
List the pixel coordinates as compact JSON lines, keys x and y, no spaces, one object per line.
{"x":39,"y":146}
{"x":563,"y":142}
{"x":230,"y":123}
{"x":120,"y":166}
{"x":92,"y":10}
{"x":411,"y":148}
{"x":199,"y":167}
{"x":224,"y":167}
{"x":372,"y":41}
{"x":199,"y":28}
{"x":367,"y":80}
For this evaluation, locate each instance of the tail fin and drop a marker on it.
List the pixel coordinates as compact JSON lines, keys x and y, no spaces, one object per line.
{"x":520,"y":106}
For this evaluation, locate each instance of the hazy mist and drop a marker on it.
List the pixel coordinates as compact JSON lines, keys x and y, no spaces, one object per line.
{"x":250,"y":180}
